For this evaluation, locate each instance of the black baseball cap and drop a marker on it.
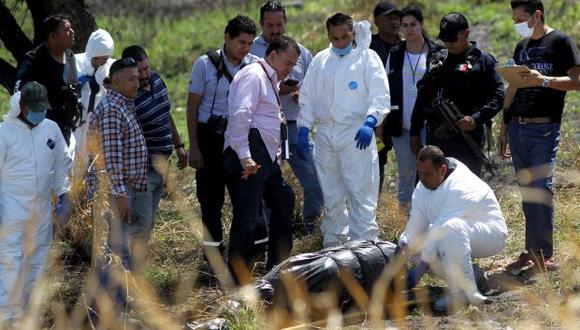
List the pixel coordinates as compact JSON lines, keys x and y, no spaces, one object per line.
{"x":451,"y":24}
{"x":385,"y":8}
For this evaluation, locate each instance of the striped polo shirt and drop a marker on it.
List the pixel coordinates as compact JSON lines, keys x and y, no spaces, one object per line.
{"x":153,"y":111}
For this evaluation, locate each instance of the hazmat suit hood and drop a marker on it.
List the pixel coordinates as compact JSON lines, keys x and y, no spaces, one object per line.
{"x":14,"y":107}
{"x":362,"y":35}
{"x":100,"y":43}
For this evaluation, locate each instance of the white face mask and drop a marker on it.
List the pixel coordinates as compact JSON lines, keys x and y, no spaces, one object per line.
{"x":523,"y":30}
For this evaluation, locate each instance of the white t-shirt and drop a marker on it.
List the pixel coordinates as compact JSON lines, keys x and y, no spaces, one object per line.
{"x":415,"y":67}
{"x":418,"y":66}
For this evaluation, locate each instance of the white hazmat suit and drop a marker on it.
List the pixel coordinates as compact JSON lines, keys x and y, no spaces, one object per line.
{"x":34,"y":162}
{"x":100,"y":43}
{"x":459,"y":220}
{"x":337,"y":94}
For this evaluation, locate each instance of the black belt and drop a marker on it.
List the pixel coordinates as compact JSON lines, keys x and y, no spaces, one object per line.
{"x":532,"y":120}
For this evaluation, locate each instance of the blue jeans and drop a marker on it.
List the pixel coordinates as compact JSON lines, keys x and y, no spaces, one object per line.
{"x":406,"y":166}
{"x":533,"y":148}
{"x":118,"y":255}
{"x":305,"y":171}
{"x":146,"y":206}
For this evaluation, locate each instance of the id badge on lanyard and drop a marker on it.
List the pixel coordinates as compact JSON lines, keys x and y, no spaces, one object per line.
{"x":284,"y":144}
{"x":284,"y":138}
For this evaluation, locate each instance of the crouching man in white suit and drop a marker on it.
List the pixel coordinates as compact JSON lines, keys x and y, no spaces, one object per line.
{"x":34,"y":163}
{"x":454,"y":217}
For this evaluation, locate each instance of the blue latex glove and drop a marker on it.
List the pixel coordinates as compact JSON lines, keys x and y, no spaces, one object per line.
{"x":364,"y":136}
{"x":303,"y":146}
{"x":415,"y":274}
{"x":82,"y":80}
{"x":62,"y":209}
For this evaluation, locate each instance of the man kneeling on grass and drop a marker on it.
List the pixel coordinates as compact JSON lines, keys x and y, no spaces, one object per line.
{"x":454,"y":217}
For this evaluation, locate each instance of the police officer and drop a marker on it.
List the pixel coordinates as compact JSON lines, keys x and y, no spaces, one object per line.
{"x":387,"y":21}
{"x":465,"y":75}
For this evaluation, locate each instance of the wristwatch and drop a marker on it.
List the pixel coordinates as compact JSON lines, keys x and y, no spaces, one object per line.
{"x":546,"y":82}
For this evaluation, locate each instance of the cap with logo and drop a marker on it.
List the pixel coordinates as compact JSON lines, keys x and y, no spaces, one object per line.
{"x":34,"y":95}
{"x":451,"y":24}
{"x":385,"y":8}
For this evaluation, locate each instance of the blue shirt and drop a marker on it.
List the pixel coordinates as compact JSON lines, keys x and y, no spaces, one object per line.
{"x":153,"y":111}
{"x":203,"y":81}
{"x":290,"y":108}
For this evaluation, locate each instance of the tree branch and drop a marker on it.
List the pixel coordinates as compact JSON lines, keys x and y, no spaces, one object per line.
{"x":12,"y":35}
{"x":81,"y":18}
{"x":7,"y":75}
{"x":39,"y":11}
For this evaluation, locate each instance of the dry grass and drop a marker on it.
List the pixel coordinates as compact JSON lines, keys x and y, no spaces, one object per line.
{"x":176,"y":288}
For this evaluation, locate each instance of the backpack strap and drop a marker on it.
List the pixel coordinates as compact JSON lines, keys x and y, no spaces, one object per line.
{"x":218,"y":63}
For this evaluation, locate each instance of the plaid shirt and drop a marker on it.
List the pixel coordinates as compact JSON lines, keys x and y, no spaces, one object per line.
{"x":125,"y":153}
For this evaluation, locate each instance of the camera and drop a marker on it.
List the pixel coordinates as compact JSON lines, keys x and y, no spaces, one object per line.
{"x":73,"y":109}
{"x":290,"y":82}
{"x":217,"y":124}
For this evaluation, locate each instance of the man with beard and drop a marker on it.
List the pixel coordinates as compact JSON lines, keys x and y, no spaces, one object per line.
{"x":153,"y":112}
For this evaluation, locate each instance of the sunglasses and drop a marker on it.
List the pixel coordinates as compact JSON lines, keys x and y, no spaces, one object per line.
{"x":127,"y":62}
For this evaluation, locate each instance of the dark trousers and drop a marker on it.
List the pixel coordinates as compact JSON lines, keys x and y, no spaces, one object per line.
{"x":212,"y":180}
{"x":246,"y":195}
{"x":383,"y":159}
{"x":457,"y":148}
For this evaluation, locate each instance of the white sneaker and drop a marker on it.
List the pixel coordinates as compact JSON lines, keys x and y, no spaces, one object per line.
{"x":452,"y":303}
{"x":478,"y":299}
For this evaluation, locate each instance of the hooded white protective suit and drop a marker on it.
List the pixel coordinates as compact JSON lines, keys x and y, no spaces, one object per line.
{"x":34,"y":162}
{"x":459,"y":220}
{"x":100,"y":43}
{"x":338,"y":93}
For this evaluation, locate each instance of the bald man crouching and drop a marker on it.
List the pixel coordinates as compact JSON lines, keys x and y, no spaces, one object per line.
{"x":454,"y":217}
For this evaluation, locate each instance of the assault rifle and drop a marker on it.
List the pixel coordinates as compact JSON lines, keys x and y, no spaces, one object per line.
{"x":449,"y":114}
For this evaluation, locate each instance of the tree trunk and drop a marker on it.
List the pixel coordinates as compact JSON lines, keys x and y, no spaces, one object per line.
{"x":17,"y":43}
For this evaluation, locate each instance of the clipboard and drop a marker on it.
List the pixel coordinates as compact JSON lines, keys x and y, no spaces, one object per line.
{"x":512,"y":74}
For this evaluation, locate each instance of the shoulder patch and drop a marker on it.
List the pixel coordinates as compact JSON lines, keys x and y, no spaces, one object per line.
{"x":50,"y":143}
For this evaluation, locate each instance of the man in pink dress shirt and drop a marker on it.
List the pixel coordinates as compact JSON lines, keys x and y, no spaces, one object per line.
{"x":254,"y":143}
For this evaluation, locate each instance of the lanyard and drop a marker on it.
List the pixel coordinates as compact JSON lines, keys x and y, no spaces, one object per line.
{"x":273,"y":86}
{"x":414,"y":69}
{"x":285,"y":147}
